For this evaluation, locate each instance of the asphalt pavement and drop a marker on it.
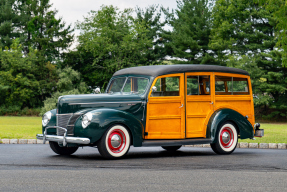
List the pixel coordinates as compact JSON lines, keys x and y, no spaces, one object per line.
{"x":38,"y":168}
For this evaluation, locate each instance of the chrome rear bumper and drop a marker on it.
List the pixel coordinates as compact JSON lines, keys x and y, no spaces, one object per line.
{"x":61,"y":139}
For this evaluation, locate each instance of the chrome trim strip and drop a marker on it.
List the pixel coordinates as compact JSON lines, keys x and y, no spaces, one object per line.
{"x":70,"y":114}
{"x":104,"y":102}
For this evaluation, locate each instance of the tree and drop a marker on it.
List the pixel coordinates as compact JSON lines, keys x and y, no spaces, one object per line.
{"x":44,"y":31}
{"x":10,"y":23}
{"x":244,"y":36}
{"x":241,"y":27}
{"x":81,"y":60}
{"x":279,"y":9}
{"x":115,"y":40}
{"x":268,"y":82}
{"x":191,"y":24}
{"x":18,"y":83}
{"x":69,"y":83}
{"x":151,"y":19}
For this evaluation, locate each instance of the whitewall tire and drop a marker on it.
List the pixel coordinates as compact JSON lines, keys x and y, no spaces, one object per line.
{"x":115,"y":143}
{"x":226,"y":139}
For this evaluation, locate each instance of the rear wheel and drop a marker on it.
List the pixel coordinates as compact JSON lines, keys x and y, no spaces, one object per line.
{"x":115,"y":143}
{"x":62,"y":150}
{"x":171,"y":148}
{"x":227,"y":138}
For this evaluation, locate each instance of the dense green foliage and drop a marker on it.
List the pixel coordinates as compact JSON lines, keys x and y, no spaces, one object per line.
{"x":36,"y":66}
{"x":11,"y":23}
{"x":243,"y":36}
{"x":150,"y":17}
{"x":32,"y":40}
{"x":114,"y":39}
{"x":191,"y":25}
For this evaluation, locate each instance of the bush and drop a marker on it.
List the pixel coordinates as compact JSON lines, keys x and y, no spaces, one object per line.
{"x":51,"y":103}
{"x":15,"y":110}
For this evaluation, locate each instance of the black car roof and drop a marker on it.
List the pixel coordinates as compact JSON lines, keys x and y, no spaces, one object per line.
{"x":156,"y":70}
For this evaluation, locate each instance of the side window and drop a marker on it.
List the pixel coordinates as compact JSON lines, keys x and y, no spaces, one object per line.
{"x":167,"y":86}
{"x":240,"y":86}
{"x":223,"y":85}
{"x":198,"y":85}
{"x":136,"y":85}
{"x":231,"y":86}
{"x":117,"y":84}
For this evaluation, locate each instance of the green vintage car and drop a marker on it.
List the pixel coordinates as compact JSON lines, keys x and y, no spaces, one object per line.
{"x":163,"y":105}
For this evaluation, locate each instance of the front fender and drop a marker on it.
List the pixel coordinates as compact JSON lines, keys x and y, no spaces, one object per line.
{"x":223,"y":115}
{"x":52,"y":122}
{"x":104,"y":119}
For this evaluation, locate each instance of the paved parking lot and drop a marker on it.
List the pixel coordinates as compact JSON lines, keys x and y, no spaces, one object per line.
{"x":37,"y":168}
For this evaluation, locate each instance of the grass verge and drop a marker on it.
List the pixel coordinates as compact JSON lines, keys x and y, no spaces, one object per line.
{"x":12,"y":127}
{"x":20,"y":127}
{"x":273,"y":133}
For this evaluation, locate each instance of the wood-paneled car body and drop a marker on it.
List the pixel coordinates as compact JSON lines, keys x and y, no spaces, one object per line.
{"x":163,"y":105}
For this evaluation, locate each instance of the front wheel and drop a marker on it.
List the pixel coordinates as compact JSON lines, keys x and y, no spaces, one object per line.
{"x":115,"y":143}
{"x":62,"y":150}
{"x":226,"y":139}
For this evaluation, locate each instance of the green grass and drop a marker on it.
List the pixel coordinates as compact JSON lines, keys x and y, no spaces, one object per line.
{"x":27,"y":128}
{"x":273,"y":133}
{"x":20,"y":127}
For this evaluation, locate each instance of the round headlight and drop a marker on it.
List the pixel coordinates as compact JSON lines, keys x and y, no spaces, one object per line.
{"x":46,"y":118}
{"x":86,"y":120}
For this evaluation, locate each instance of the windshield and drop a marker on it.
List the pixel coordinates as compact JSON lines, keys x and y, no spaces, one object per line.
{"x":130,"y":85}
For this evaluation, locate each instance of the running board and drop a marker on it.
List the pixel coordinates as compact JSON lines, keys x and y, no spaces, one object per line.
{"x":174,"y":142}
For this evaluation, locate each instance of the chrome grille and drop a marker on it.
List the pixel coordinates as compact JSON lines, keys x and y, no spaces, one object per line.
{"x":62,"y":121}
{"x":67,"y":121}
{"x":71,"y":123}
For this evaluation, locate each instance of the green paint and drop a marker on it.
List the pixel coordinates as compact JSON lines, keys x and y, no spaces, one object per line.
{"x":223,"y":115}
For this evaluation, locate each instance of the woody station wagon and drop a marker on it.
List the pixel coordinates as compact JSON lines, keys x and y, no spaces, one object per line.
{"x":163,"y":105}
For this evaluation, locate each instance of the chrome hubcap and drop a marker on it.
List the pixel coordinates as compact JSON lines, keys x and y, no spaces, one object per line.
{"x":116,"y":141}
{"x":225,"y":137}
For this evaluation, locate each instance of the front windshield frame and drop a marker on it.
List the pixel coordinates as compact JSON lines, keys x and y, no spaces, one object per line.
{"x":124,"y":84}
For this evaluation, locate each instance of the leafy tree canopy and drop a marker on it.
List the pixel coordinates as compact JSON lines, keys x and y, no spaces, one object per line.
{"x":115,"y":40}
{"x":189,"y":39}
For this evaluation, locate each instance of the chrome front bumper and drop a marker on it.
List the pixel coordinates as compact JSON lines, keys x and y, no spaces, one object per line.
{"x":61,"y":139}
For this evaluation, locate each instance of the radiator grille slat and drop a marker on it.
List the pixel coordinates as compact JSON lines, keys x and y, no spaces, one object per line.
{"x":71,"y":123}
{"x":67,"y":121}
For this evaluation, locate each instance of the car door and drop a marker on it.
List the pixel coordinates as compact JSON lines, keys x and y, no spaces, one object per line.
{"x":165,"y":108}
{"x":199,"y":103}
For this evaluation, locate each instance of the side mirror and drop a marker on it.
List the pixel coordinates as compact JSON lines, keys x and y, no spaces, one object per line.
{"x":97,"y":90}
{"x":154,"y":89}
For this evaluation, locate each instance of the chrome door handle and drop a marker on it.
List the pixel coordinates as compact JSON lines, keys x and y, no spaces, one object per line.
{"x":181,"y":106}
{"x":211,"y":103}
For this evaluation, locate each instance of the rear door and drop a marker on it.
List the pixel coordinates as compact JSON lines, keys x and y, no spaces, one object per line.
{"x":199,"y":103}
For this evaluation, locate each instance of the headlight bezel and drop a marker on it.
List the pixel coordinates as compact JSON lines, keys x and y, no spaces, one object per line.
{"x":86,"y":119}
{"x":46,"y":118}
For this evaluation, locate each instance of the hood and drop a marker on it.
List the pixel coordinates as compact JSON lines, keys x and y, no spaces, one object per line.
{"x":74,"y":103}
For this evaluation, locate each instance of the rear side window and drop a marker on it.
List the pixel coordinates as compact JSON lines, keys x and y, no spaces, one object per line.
{"x":231,"y":86}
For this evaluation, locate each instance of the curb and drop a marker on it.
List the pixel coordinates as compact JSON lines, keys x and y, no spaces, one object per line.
{"x":250,"y":145}
{"x":22,"y":141}
{"x":239,"y":145}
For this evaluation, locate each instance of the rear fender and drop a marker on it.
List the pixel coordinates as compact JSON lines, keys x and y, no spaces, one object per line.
{"x":219,"y":117}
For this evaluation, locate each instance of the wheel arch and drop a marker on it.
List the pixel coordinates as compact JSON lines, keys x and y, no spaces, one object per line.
{"x":242,"y":125}
{"x":103,"y":119}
